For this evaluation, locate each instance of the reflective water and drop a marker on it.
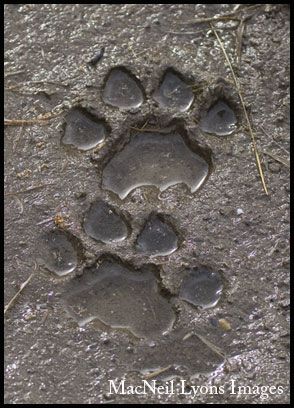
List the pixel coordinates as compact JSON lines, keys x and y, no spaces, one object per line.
{"x":157,"y":237}
{"x":83,"y":131}
{"x":155,"y":159}
{"x":201,"y":287}
{"x":123,"y":90}
{"x":104,"y":223}
{"x":174,"y":93}
{"x":56,"y":253}
{"x":220,"y":120}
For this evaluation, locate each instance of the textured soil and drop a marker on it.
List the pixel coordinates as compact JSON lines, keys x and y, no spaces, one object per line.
{"x":229,"y":225}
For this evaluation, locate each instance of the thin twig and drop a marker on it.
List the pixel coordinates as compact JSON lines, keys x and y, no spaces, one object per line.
{"x":22,"y":122}
{"x":45,"y":221}
{"x":160,"y":130}
{"x":184,"y":32}
{"x":8,"y":74}
{"x":157,"y":372}
{"x":278,"y":159}
{"x":27,"y":83}
{"x":253,"y":140}
{"x":27,"y":190}
{"x":145,"y":124}
{"x":228,"y":16}
{"x":22,"y":286}
{"x":210,"y":345}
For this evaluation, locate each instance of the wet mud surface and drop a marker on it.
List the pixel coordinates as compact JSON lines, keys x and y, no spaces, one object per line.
{"x":138,"y":207}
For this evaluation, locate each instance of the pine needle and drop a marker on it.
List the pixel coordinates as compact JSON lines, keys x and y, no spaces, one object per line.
{"x":253,"y":140}
{"x":38,"y":120}
{"x":22,"y":286}
{"x":210,"y":345}
{"x":278,"y":159}
{"x":27,"y":190}
{"x":157,"y":372}
{"x":228,"y":16}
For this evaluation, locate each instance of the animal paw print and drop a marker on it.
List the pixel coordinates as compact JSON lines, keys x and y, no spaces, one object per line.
{"x":157,"y":154}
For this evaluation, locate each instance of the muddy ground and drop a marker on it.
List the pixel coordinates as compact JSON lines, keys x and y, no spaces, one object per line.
{"x":48,"y":358}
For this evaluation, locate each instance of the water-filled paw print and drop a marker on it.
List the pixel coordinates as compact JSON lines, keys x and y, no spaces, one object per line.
{"x":158,"y":153}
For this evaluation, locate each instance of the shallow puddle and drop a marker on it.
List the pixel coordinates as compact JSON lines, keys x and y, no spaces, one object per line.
{"x":174,"y":93}
{"x":104,"y":223}
{"x":219,"y":120}
{"x":154,"y":159}
{"x":201,"y":287}
{"x":56,"y":253}
{"x":123,"y":90}
{"x":157,"y":237}
{"x":83,"y":131}
{"x":120,"y":297}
